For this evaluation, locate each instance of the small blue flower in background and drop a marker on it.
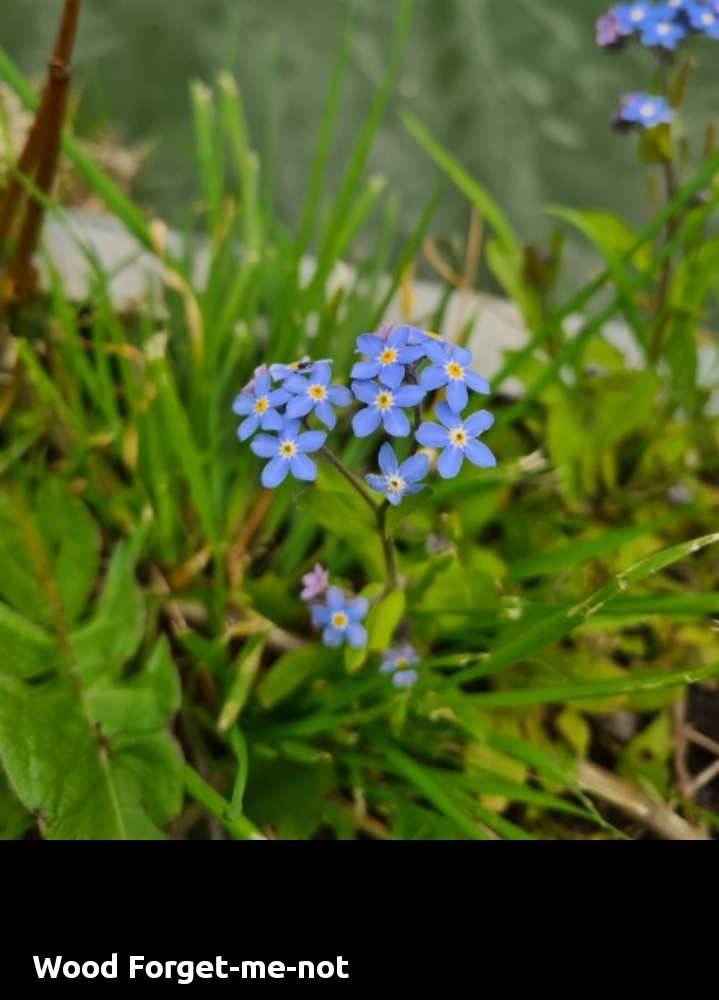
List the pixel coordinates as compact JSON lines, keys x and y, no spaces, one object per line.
{"x":287,"y":453}
{"x":387,"y":357}
{"x":340,"y":619}
{"x":315,"y":393}
{"x":663,"y":29}
{"x":458,"y":439}
{"x":384,"y":406}
{"x":643,"y":111}
{"x":315,"y":583}
{"x":397,"y":661}
{"x":630,"y":17}
{"x":258,"y":405}
{"x":397,"y":480}
{"x":704,"y":18}
{"x":450,"y":369}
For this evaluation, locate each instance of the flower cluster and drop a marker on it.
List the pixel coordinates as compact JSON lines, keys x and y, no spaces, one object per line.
{"x":401,"y":369}
{"x":661,"y":27}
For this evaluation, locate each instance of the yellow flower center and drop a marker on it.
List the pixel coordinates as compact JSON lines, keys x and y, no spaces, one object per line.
{"x":339,"y":619}
{"x":388,"y":356}
{"x":458,"y":436}
{"x":401,"y":661}
{"x":287,"y":449}
{"x":295,"y":365}
{"x":317,"y":391}
{"x":454,"y":370}
{"x":261,"y":404}
{"x":436,"y":336}
{"x":384,"y":400}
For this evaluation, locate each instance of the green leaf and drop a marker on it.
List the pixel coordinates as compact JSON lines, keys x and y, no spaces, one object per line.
{"x":347,"y":517}
{"x":292,"y":670}
{"x":383,"y":619}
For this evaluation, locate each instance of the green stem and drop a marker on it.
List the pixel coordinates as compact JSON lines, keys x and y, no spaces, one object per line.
{"x":671,"y":186}
{"x":351,"y":479}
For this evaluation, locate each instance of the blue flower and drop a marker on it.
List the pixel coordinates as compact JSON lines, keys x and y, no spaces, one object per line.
{"x":630,"y":17}
{"x":287,"y":453}
{"x":315,"y":583}
{"x":421,"y":337}
{"x":643,"y":111}
{"x":315,"y":393}
{"x":340,"y":618}
{"x":258,"y":405}
{"x":704,"y":18}
{"x":383,"y":406}
{"x":398,"y":480}
{"x":662,"y":29}
{"x":398,"y":662}
{"x":450,"y":369}
{"x":387,"y":357}
{"x":405,"y":678}
{"x":458,"y":439}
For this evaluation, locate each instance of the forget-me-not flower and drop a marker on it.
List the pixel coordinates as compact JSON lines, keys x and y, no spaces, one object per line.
{"x":387,"y":358}
{"x":450,"y":369}
{"x":258,"y":405}
{"x":399,"y":663}
{"x":703,"y":17}
{"x":662,"y":30}
{"x":384,"y":406}
{"x":630,"y":17}
{"x":458,"y":438}
{"x":643,"y":111}
{"x":288,"y":453}
{"x":340,"y":619}
{"x":398,"y":481}
{"x":315,"y":393}
{"x":279,"y":372}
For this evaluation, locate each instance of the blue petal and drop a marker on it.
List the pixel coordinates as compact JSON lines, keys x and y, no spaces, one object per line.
{"x":398,"y":337}
{"x":376,"y":483}
{"x":303,"y":468}
{"x":322,"y":373}
{"x":461,"y":355}
{"x":395,"y":422}
{"x":411,"y":490}
{"x":356,"y":636}
{"x":414,"y":469}
{"x":409,"y":395}
{"x":271,"y":421}
{"x":480,"y":421}
{"x":290,"y":429}
{"x":365,"y":391}
{"x":325,"y":414}
{"x":295,"y":384}
{"x":275,"y":472}
{"x":366,"y":421}
{"x":475,"y":382}
{"x":432,"y":436}
{"x":277,"y":397}
{"x":394,"y":497}
{"x":334,"y":599}
{"x":310,"y":441}
{"x":243,"y":404}
{"x":299,"y":406}
{"x":265,"y":446}
{"x":320,"y":614}
{"x":263,"y":384}
{"x":479,"y":454}
{"x":332,"y":636}
{"x":450,"y":462}
{"x":248,"y":427}
{"x":365,"y":369}
{"x":391,"y":375}
{"x":447,"y":415}
{"x":435,"y":351}
{"x":457,"y":395}
{"x":357,"y":609}
{"x":433,"y":377}
{"x":370,"y":345}
{"x":408,"y":355}
{"x":339,"y":395}
{"x":387,"y":460}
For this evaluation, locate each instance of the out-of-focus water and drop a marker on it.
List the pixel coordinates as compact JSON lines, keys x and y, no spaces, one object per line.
{"x":517,"y":90}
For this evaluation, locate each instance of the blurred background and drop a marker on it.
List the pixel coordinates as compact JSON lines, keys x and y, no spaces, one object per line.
{"x":518,"y":92}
